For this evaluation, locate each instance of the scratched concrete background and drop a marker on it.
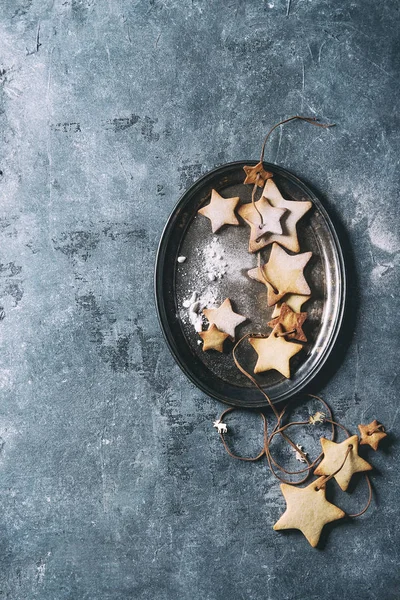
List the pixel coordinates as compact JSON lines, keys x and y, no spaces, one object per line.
{"x":113,"y":484}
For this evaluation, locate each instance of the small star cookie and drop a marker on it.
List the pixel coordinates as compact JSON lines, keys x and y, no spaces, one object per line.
{"x":213,"y":339}
{"x":283,"y":274}
{"x":224,"y":318}
{"x":334,"y":455}
{"x":256,"y":174}
{"x":296,"y":211}
{"x":274,"y":352}
{"x":290,"y":321}
{"x":308,"y":510}
{"x":372,"y":434}
{"x":220,"y":211}
{"x":271,"y":222}
{"x":295,"y":301}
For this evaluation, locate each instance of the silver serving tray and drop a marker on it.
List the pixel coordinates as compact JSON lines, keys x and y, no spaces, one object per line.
{"x":189,"y":234}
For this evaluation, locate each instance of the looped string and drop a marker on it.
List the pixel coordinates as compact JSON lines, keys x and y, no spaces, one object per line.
{"x":253,"y":198}
{"x":366,"y":507}
{"x":328,"y":477}
{"x":379,"y":427}
{"x":311,"y":120}
{"x":280,"y":429}
{"x":244,"y":458}
{"x":263,"y":275}
{"x":283,"y":333}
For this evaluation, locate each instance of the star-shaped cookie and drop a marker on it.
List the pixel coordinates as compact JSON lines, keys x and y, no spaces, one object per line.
{"x":296,"y":211}
{"x":256,"y":174}
{"x":224,"y":318}
{"x":308,"y":510}
{"x":271,"y":222}
{"x":283,"y":274}
{"x":334,"y":455}
{"x":220,"y":211}
{"x":295,"y":301}
{"x":372,"y":434}
{"x":274,"y":352}
{"x":213,"y":339}
{"x":290,"y":321}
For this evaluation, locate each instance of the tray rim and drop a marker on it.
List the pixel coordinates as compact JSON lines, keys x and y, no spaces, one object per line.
{"x":162,"y":315}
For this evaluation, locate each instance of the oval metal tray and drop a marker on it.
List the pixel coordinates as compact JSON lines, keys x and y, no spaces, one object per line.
{"x":189,"y":234}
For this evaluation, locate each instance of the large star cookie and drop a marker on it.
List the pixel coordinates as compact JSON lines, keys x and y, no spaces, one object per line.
{"x":295,"y":301}
{"x":296,"y":211}
{"x":291,"y":322}
{"x":213,"y":339}
{"x":334,"y":455}
{"x":283,"y":274}
{"x":220,"y":211}
{"x":224,"y":318}
{"x":274,"y":352}
{"x":372,"y":434}
{"x":271,"y":222}
{"x":308,"y":510}
{"x":256,"y":174}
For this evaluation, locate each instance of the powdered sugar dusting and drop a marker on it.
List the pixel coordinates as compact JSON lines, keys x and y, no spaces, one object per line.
{"x":195,"y":305}
{"x":215,"y":264}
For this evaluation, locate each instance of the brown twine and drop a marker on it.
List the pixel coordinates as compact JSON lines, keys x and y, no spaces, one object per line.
{"x":366,"y":507}
{"x":379,"y":427}
{"x":280,"y":429}
{"x":311,"y":120}
{"x":253,"y":198}
{"x":263,"y":275}
{"x":328,"y":477}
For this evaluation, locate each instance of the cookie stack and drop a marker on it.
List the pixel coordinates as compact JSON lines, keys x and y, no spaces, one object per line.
{"x":272,"y":221}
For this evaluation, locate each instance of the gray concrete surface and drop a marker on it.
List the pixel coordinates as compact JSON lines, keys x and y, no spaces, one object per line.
{"x":113,"y":484}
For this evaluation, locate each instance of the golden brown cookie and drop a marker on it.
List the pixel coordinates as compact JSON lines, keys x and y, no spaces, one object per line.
{"x":372,"y":434}
{"x":283,"y":274}
{"x":260,"y":234}
{"x":274,"y":352}
{"x":256,"y":174}
{"x":224,"y":318}
{"x":213,"y":339}
{"x":334,"y":455}
{"x":290,"y":321}
{"x":295,"y":301}
{"x":308,"y":510}
{"x":220,"y":211}
{"x":296,"y":211}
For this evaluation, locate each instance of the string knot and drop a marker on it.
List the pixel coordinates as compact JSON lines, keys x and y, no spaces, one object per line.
{"x":379,"y":427}
{"x":318,"y":417}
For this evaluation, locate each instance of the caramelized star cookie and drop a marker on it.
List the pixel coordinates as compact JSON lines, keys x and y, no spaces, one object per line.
{"x":213,"y":339}
{"x":291,"y":322}
{"x":295,"y":301}
{"x":256,"y":174}
{"x":372,"y":434}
